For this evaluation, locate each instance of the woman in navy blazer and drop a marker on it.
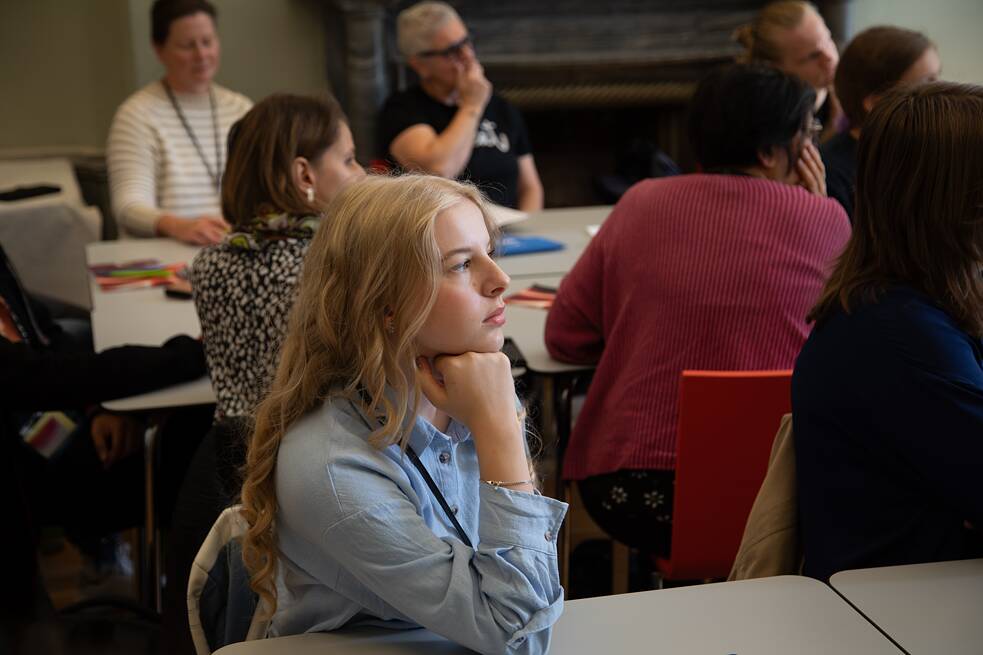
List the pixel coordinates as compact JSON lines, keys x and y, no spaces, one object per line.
{"x":887,"y":395}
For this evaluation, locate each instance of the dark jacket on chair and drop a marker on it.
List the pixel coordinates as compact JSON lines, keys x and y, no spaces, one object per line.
{"x":46,"y":371}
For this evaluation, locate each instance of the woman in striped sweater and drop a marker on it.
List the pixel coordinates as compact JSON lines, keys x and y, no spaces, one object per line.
{"x":715,"y":270}
{"x":166,"y":148}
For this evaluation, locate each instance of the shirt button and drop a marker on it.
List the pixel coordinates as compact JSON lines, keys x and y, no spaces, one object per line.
{"x":444,"y":457}
{"x":454,"y":509}
{"x":549,"y":535}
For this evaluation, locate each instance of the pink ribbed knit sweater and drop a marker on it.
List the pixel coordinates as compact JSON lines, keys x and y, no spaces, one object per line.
{"x":711,"y":272}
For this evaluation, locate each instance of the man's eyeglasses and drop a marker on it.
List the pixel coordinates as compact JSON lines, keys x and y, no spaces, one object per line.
{"x":454,"y":50}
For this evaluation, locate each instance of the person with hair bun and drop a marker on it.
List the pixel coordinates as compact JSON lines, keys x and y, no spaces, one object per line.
{"x":887,"y":393}
{"x":166,"y":146}
{"x":288,"y":157}
{"x":874,"y":61}
{"x":791,"y":36}
{"x":388,"y":480}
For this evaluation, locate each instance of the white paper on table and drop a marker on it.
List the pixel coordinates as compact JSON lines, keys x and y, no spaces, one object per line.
{"x":505,"y":215}
{"x":592,"y":229}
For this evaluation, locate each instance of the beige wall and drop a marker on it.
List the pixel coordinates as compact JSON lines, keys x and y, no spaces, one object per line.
{"x":65,"y":65}
{"x":60,"y":85}
{"x":953,"y":24}
{"x":267,"y":46}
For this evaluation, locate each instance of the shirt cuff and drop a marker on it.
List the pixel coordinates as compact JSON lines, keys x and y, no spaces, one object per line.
{"x":516,"y":518}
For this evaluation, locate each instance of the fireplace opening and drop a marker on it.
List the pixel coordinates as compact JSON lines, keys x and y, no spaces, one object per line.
{"x":590,"y":155}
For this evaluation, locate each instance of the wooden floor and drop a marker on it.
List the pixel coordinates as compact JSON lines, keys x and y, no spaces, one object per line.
{"x":106,"y":628}
{"x":62,"y":572}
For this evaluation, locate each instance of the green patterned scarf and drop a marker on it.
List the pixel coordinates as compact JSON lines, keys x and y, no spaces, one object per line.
{"x":273,"y":227}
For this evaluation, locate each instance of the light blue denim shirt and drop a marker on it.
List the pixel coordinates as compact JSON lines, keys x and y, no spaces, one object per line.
{"x":363,"y":539}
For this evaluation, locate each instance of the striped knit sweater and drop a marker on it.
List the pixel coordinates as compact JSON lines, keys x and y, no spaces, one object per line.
{"x":713,"y":272}
{"x":154,"y":168}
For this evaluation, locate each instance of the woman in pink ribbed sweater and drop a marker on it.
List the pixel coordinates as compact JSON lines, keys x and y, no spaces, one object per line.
{"x":715,"y":270}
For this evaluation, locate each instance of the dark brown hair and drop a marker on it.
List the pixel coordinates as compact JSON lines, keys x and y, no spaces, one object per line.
{"x":740,"y":110}
{"x":262,"y":147}
{"x":874,"y":61}
{"x":919,"y":215}
{"x":165,"y":12}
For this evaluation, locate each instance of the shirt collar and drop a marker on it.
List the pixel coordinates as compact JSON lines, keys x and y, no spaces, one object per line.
{"x":424,"y":433}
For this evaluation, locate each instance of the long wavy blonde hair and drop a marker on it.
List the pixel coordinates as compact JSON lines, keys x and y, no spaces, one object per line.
{"x":369,"y":281}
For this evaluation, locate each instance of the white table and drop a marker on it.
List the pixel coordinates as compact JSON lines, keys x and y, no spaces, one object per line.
{"x":567,"y":225}
{"x":45,"y":236}
{"x":768,"y":616}
{"x":925,"y":608}
{"x":148,"y":317}
{"x":526,"y":326}
{"x":145,"y":317}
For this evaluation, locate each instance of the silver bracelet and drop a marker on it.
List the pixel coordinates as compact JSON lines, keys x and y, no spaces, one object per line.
{"x":502,"y":483}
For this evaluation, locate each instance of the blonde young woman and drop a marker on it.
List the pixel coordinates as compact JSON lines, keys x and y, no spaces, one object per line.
{"x":791,"y":36}
{"x":387,"y":480}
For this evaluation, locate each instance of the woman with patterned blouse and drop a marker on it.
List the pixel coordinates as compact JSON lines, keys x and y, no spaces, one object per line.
{"x":287,"y":158}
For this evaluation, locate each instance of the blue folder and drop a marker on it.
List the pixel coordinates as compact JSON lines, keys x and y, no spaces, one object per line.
{"x":523,"y":245}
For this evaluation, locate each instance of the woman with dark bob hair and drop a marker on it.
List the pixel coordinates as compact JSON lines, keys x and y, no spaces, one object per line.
{"x":710,"y":271}
{"x":887,"y":394}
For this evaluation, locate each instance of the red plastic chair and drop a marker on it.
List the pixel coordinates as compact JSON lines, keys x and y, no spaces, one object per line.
{"x":727,"y":422}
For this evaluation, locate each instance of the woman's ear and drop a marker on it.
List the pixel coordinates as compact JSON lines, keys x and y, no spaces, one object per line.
{"x":769,"y":159}
{"x":302,"y":173}
{"x":869,"y":102}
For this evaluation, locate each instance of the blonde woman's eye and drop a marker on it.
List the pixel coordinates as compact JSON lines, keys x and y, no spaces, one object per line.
{"x":492,"y":252}
{"x":463,"y":266}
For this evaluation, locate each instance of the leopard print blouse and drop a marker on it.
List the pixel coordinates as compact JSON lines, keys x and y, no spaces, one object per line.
{"x":243,"y":297}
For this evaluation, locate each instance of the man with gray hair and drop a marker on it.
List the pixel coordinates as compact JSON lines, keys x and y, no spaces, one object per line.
{"x":451,"y":124}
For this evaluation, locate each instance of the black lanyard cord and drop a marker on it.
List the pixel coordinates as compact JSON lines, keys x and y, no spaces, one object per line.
{"x":440,"y":497}
{"x":434,"y":489}
{"x":217,"y":175}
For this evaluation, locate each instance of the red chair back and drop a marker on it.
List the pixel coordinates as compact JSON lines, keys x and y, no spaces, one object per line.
{"x":727,"y":423}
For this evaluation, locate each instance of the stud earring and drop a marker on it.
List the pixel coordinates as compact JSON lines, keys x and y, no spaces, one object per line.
{"x":310,"y":194}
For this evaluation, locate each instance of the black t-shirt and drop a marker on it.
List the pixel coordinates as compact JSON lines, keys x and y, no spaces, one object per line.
{"x":500,"y":140}
{"x":840,"y":158}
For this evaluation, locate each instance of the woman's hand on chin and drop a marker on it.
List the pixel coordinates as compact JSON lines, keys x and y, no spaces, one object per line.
{"x":477,"y":390}
{"x":474,"y":388}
